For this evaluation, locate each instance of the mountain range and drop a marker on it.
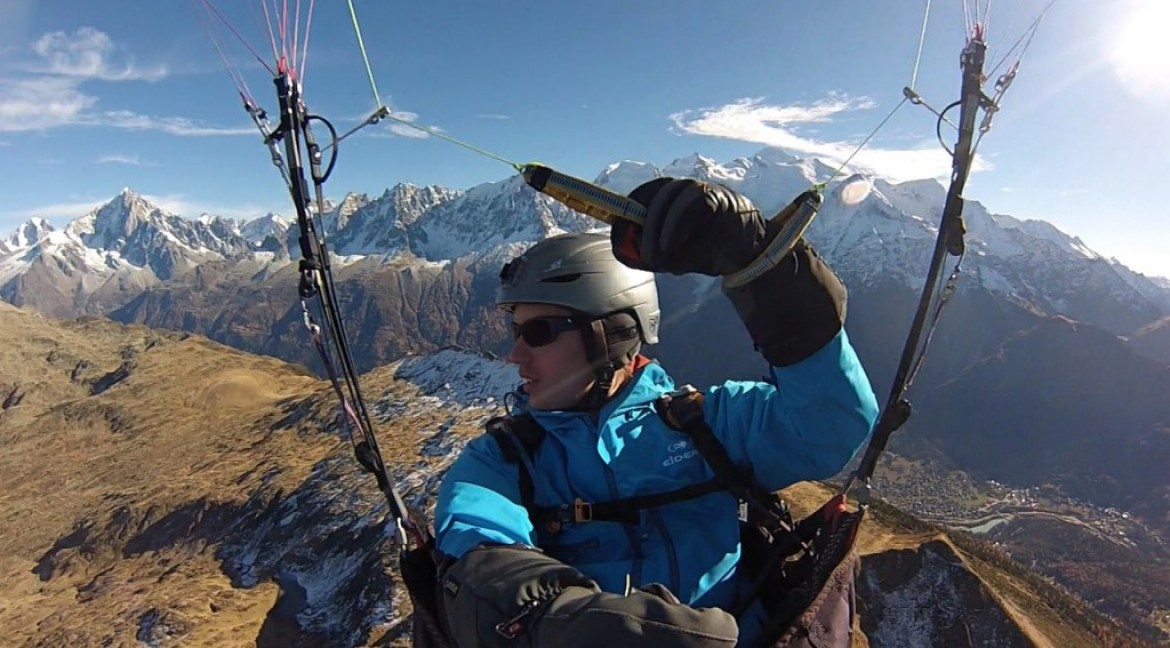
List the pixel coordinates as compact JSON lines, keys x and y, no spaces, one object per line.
{"x":1050,"y":364}
{"x":129,"y":242}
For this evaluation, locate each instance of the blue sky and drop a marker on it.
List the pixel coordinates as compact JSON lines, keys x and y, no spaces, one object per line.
{"x":95,"y":96}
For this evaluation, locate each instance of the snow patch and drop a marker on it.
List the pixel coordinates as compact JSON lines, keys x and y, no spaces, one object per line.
{"x":459,"y":376}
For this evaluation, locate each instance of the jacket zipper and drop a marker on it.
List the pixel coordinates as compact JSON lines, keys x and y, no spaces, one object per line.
{"x":671,"y":552}
{"x":631,"y":533}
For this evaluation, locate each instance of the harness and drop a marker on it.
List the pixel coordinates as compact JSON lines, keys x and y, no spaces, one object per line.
{"x":682,"y":411}
{"x":769,"y":538}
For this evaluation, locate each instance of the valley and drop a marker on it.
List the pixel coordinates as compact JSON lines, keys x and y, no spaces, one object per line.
{"x":1100,"y":553}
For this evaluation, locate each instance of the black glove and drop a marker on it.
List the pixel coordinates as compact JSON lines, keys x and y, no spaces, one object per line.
{"x":512,"y":596}
{"x":790,"y":311}
{"x":690,"y":226}
{"x":794,"y":309}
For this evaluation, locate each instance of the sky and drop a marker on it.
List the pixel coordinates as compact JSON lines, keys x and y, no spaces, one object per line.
{"x":97,"y":96}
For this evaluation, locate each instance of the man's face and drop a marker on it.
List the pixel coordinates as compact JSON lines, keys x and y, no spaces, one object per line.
{"x":557,"y":373}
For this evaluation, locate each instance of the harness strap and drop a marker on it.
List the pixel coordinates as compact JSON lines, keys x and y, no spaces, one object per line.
{"x":625,"y":511}
{"x":515,"y":435}
{"x":682,"y":410}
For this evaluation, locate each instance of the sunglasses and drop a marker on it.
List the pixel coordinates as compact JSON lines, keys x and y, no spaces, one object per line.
{"x":541,"y":331}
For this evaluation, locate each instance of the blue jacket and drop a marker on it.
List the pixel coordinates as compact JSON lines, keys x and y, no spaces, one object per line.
{"x":808,"y":426}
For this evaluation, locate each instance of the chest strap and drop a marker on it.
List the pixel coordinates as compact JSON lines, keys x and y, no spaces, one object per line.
{"x":625,"y":511}
{"x":682,"y":411}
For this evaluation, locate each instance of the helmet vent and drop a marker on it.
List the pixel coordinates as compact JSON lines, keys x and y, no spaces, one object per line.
{"x":566,"y":278}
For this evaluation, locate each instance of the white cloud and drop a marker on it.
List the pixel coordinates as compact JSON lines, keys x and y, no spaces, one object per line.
{"x":398,"y":123}
{"x":47,"y":91}
{"x":40,"y":103}
{"x":750,"y":120}
{"x":65,"y":211}
{"x":493,"y":116}
{"x":88,"y":54}
{"x":397,"y":127}
{"x":58,"y":211}
{"x":173,"y":125}
{"x":118,"y":158}
{"x":187,"y":207}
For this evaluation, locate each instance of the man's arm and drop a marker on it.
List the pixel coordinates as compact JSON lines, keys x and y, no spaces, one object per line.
{"x":808,"y":427}
{"x":822,"y":407}
{"x":479,"y":501}
{"x":795,"y":312}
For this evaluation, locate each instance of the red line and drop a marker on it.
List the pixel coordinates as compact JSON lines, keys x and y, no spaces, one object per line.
{"x":283,"y":29}
{"x":263,"y":24}
{"x":305,"y":50}
{"x":296,"y":34}
{"x":238,"y":37}
{"x":271,"y":36}
{"x":208,"y":26}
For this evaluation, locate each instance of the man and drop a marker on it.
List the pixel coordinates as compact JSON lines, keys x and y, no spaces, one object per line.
{"x":582,"y":305}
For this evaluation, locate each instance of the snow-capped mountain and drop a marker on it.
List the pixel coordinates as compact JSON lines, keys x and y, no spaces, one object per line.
{"x":888,"y":235}
{"x":379,"y":227}
{"x":1156,"y":289}
{"x":438,"y":224}
{"x":130,"y":229}
{"x":891,"y":234}
{"x":103,"y":258}
{"x":26,"y":235}
{"x":257,"y":231}
{"x":771,"y":178}
{"x":490,"y":215}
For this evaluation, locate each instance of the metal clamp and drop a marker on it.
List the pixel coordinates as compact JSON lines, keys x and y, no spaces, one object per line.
{"x":512,"y":627}
{"x":582,"y":510}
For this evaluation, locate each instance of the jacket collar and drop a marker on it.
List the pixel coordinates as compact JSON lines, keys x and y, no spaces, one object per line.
{"x":648,"y":383}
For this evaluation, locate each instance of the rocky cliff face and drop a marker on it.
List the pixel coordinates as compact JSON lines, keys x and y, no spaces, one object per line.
{"x":928,"y":591}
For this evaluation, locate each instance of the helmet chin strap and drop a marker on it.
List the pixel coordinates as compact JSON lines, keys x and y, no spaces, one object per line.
{"x":611,"y":343}
{"x":597,"y":353}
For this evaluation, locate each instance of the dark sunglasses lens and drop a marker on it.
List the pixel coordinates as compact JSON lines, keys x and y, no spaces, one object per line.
{"x":540,"y":331}
{"x":537,"y":332}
